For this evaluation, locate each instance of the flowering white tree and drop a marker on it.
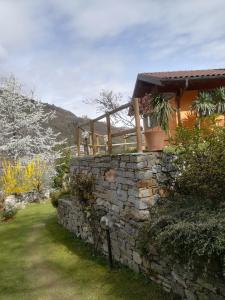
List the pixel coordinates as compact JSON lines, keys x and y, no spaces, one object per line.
{"x":24,"y":130}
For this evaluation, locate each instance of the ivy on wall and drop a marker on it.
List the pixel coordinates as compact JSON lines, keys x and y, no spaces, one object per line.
{"x":83,"y":187}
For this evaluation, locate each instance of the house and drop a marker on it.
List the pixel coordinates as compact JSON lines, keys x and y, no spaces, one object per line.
{"x":181,"y":89}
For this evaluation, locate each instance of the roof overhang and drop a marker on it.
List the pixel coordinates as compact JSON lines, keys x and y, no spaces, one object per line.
{"x":146,"y":84}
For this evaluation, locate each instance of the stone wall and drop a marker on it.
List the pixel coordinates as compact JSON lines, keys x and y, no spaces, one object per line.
{"x":126,"y":186}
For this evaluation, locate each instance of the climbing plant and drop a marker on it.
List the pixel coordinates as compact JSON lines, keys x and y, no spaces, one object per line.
{"x":83,"y":187}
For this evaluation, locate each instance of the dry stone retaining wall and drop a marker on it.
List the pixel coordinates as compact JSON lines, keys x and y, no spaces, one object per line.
{"x":126,"y":186}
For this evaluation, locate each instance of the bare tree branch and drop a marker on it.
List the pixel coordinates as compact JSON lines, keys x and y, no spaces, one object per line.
{"x":107,"y":101}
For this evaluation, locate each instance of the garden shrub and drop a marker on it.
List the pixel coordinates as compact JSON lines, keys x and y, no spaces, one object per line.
{"x":60,"y":181}
{"x":189,"y":226}
{"x":18,"y":178}
{"x":201,"y":163}
{"x":188,"y":231}
{"x":56,"y":195}
{"x":82,"y":185}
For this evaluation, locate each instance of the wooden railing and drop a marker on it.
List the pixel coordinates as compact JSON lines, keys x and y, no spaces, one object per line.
{"x":94,"y":137}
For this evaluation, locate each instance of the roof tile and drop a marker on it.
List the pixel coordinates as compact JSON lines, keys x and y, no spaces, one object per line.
{"x":186,"y":74}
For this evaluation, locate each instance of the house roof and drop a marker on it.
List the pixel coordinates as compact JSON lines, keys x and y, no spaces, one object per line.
{"x":174,"y":80}
{"x":186,"y":74}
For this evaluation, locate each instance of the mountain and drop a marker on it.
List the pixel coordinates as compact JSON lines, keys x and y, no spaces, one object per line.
{"x":65,"y":123}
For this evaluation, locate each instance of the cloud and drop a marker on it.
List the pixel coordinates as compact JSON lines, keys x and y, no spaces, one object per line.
{"x":70,"y":50}
{"x":100,"y":19}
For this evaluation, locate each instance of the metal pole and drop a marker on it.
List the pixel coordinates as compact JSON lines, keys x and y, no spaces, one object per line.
{"x":109,"y":249}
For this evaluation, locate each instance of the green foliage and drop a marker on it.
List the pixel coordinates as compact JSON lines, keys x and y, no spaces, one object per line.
{"x":82,"y":185}
{"x":161,"y":111}
{"x":218,"y":99}
{"x":204,"y":105}
{"x":190,"y":232}
{"x":56,"y":195}
{"x":190,"y":225}
{"x":201,"y":163}
{"x":208,"y":103}
{"x":62,"y":170}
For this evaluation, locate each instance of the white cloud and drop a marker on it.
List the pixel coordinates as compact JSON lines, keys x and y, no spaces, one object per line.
{"x":69,"y":50}
{"x":99,"y":18}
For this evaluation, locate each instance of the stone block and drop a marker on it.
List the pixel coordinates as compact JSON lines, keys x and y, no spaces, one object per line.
{"x":145,"y":192}
{"x":143,"y":203}
{"x":157,"y":169}
{"x":122,"y":164}
{"x":146,"y":183}
{"x":137,"y":258}
{"x":124,"y":180}
{"x":129,"y":174}
{"x":141,"y":175}
{"x":162,"y":177}
{"x":115,"y":209}
{"x":134,"y":192}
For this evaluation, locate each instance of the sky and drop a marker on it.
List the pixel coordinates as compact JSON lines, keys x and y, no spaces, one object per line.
{"x":69,"y":50}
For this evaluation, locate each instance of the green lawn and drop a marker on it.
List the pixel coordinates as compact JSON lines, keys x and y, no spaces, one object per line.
{"x":40,"y":260}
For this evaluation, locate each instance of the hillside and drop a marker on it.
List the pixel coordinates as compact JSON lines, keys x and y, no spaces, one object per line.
{"x":65,"y":122}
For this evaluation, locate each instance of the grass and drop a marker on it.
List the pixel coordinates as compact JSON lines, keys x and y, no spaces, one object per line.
{"x":39,"y":260}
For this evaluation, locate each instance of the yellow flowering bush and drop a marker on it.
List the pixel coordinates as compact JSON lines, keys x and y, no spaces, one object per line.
{"x":18,"y":178}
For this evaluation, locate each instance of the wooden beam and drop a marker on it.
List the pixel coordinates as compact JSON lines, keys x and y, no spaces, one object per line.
{"x":109,"y":133}
{"x":123,"y":132}
{"x":111,"y":112}
{"x":97,"y":143}
{"x":125,"y":143}
{"x":138,"y":125}
{"x":78,"y":140}
{"x":178,"y":97}
{"x":119,"y":108}
{"x":92,"y":130}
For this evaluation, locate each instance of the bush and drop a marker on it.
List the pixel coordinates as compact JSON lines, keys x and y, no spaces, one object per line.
{"x":190,"y":225}
{"x":201,"y":164}
{"x":19,"y":178}
{"x":60,"y":181}
{"x":82,"y":185}
{"x":56,"y":195}
{"x":189,"y":232}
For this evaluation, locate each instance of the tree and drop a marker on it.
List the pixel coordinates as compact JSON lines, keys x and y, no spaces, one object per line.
{"x":24,"y":124}
{"x":107,"y":101}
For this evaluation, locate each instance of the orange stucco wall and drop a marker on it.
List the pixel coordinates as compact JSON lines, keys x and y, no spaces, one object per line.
{"x":156,"y":138}
{"x":186,"y":100}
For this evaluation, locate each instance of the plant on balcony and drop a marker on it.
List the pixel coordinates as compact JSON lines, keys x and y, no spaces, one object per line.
{"x":209,"y":103}
{"x":161,"y":110}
